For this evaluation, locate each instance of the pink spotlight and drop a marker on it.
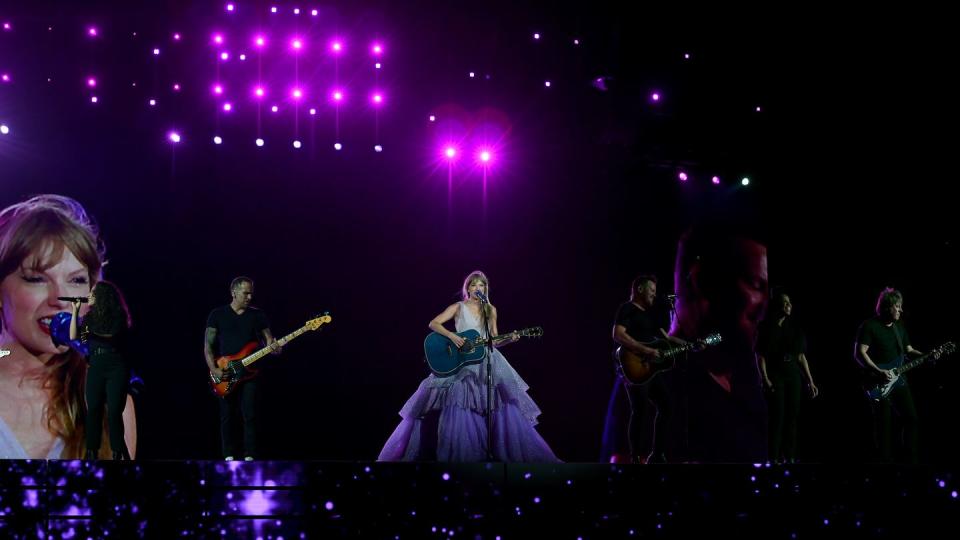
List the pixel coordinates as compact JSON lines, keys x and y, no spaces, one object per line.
{"x":275,"y":109}
{"x":337,"y":46}
{"x":273,"y":9}
{"x":7,"y":27}
{"x":230,"y":7}
{"x":338,"y":95}
{"x":536,"y":35}
{"x":227,"y":107}
{"x":156,"y":52}
{"x":655,"y":96}
{"x":297,"y":44}
{"x":217,"y":89}
{"x":377,"y":98}
{"x":377,"y":65}
{"x":92,"y":31}
{"x":546,"y":83}
{"x":432,"y":118}
{"x":218,"y":39}
{"x":91,"y":82}
{"x":686,"y":56}
{"x":224,"y":56}
{"x":576,"y":42}
{"x":314,"y":13}
{"x":176,"y":37}
{"x":758,"y":108}
{"x":485,"y":156}
{"x":377,"y":49}
{"x":682,"y":176}
{"x":94,"y":99}
{"x":173,"y":136}
{"x":5,"y":77}
{"x":715,"y":180}
{"x":176,"y":87}
{"x":450,"y":152}
{"x":259,"y":91}
{"x":260,"y":41}
{"x":297,"y":93}
{"x":296,"y":11}
{"x":153,"y":103}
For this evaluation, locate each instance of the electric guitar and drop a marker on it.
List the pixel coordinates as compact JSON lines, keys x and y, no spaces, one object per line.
{"x":639,"y":369}
{"x":235,"y":368}
{"x":445,"y":359}
{"x":879,"y":390}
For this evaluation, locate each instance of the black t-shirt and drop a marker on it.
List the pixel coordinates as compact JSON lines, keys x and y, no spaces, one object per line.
{"x":780,"y":342}
{"x":882,"y":340}
{"x":235,"y":331}
{"x":642,"y":325}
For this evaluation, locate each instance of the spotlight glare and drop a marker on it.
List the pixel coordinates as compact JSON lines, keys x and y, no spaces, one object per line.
{"x":91,"y":82}
{"x":259,"y":142}
{"x":260,"y":41}
{"x":6,"y":77}
{"x":337,"y":95}
{"x":745,"y":181}
{"x":153,"y":103}
{"x":715,"y":180}
{"x":259,"y":91}
{"x":275,"y":109}
{"x":377,"y":65}
{"x":450,"y":152}
{"x":174,"y":137}
{"x":485,"y":156}
{"x":576,"y":42}
{"x":94,"y":99}
{"x":224,"y":55}
{"x":536,"y":35}
{"x":227,"y":107}
{"x":229,"y":7}
{"x":217,"y":140}
{"x":378,"y":148}
{"x":176,"y":87}
{"x":313,"y":111}
{"x":218,"y":39}
{"x":377,"y":98}
{"x":337,"y":146}
{"x":297,"y":93}
{"x":176,"y":37}
{"x":296,"y":144}
{"x":377,"y":49}
{"x":273,"y":10}
{"x":472,"y":74}
{"x":156,"y":52}
{"x":4,"y":129}
{"x":433,"y":118}
{"x":546,"y":83}
{"x":297,"y":44}
{"x":314,"y":13}
{"x":243,"y":57}
{"x":682,"y":176}
{"x":655,"y":96}
{"x":296,"y":11}
{"x":92,"y":31}
{"x":7,"y":27}
{"x":217,"y":89}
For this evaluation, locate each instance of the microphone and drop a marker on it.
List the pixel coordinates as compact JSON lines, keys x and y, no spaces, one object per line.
{"x":671,"y":297}
{"x":71,"y":299}
{"x":482,"y":297}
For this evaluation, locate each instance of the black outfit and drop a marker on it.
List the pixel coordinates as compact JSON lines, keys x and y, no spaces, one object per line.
{"x":107,"y":380}
{"x":887,"y":343}
{"x":645,"y":400}
{"x":233,"y":333}
{"x":781,"y":346}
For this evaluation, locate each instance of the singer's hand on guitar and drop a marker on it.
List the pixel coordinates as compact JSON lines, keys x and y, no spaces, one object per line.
{"x":457,"y":340}
{"x":887,"y":374}
{"x":217,"y":372}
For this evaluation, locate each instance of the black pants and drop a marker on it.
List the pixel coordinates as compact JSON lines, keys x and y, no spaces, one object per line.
{"x":783,"y":405}
{"x":901,"y":401}
{"x":239,"y":407}
{"x":107,"y":380}
{"x":648,"y":435}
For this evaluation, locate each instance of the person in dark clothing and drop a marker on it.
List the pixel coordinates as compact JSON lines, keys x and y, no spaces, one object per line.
{"x":781,"y":354}
{"x":229,"y":329}
{"x":882,"y":344}
{"x":104,"y":330}
{"x":638,"y":323}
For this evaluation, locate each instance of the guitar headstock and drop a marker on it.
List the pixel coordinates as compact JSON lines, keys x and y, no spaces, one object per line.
{"x":712,"y":339}
{"x":945,"y":349}
{"x":536,"y":331}
{"x":313,"y":324}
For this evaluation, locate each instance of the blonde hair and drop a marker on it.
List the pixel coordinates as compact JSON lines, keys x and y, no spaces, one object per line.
{"x":60,"y":223}
{"x":477,"y":275}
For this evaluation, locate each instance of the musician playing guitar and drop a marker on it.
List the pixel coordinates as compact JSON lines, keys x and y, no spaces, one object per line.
{"x":881,"y":341}
{"x":639,"y":322}
{"x":229,"y":329}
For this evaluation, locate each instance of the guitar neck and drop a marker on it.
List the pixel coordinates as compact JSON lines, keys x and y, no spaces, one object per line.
{"x":675,"y":350}
{"x":270,"y":348}
{"x":912,"y":364}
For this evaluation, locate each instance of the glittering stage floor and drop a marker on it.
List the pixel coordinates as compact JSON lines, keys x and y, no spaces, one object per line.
{"x":290,"y":500}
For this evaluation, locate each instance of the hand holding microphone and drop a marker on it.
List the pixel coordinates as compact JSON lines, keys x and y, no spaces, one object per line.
{"x":482,"y":297}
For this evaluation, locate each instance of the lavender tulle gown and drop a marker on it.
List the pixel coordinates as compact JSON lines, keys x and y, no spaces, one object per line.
{"x":459,"y":432}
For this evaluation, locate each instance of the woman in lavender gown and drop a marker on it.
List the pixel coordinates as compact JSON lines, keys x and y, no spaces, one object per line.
{"x":444,"y":419}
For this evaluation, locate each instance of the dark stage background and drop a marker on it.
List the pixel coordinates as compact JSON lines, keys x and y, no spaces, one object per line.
{"x":850,"y":181}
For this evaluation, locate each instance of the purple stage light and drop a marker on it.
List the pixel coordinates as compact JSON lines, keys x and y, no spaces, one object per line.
{"x":218,"y":39}
{"x":4,"y":129}
{"x":432,"y":118}
{"x":715,"y":180}
{"x":260,"y":41}
{"x":243,"y":57}
{"x":273,"y":9}
{"x":485,"y":156}
{"x":377,"y":98}
{"x":152,"y":102}
{"x":176,"y":87}
{"x":5,"y":77}
{"x":227,"y":107}
{"x":296,"y":44}
{"x":230,"y":7}
{"x":297,"y":144}
{"x":274,"y":109}
{"x":337,"y":95}
{"x":174,"y":137}
{"x":296,"y":11}
{"x":224,"y":56}
{"x":336,"y":46}
{"x":536,"y":35}
{"x":7,"y":26}
{"x":546,"y":83}
{"x":313,"y":111}
{"x":337,"y":146}
{"x":217,"y":140}
{"x":377,"y":65}
{"x":682,"y":176}
{"x":296,"y":93}
{"x":94,"y":99}
{"x":758,"y":108}
{"x":92,"y":31}
{"x":217,"y":89}
{"x":450,"y":152}
{"x":259,"y":91}
{"x":576,"y":41}
{"x":259,"y":142}
{"x":686,"y":56}
{"x":472,"y":74}
{"x":156,"y":51}
{"x":377,"y":148}
{"x":91,"y":82}
{"x":377,"y":49}
{"x":176,"y":37}
{"x":655,"y":96}
{"x":314,"y":13}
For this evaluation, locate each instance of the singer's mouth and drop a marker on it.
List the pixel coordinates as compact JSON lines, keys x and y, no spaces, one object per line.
{"x":44,"y":323}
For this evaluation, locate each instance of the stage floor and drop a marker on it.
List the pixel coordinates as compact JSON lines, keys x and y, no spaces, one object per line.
{"x":316,"y":499}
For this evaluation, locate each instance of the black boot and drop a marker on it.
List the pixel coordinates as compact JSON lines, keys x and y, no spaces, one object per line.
{"x":121,"y":455}
{"x":90,"y":455}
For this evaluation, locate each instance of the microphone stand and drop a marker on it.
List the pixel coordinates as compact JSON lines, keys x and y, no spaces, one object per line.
{"x":488,"y":361}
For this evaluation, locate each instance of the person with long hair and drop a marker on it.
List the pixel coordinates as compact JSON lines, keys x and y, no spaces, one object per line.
{"x":104,"y":330}
{"x":49,"y":248}
{"x":445,"y":419}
